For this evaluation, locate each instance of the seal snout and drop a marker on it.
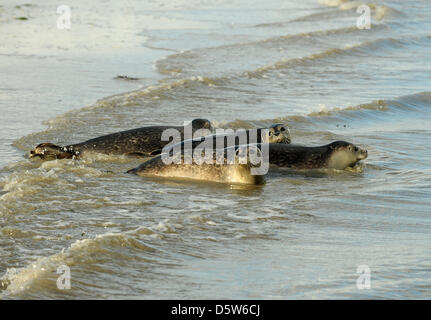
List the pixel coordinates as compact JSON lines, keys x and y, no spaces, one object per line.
{"x":362,"y":153}
{"x":39,"y":150}
{"x":51,"y":151}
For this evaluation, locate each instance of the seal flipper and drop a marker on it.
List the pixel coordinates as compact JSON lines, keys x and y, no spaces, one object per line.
{"x":48,"y":151}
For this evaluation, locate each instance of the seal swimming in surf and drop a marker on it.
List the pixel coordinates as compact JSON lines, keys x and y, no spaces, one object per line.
{"x":336,"y":155}
{"x":141,"y":141}
{"x":212,"y":170}
{"x":276,"y":133}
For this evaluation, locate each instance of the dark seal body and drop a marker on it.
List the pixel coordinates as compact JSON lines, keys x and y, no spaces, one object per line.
{"x":336,"y":155}
{"x":141,"y":141}
{"x":276,"y":133}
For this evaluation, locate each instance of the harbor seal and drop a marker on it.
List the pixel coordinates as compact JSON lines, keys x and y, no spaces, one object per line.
{"x":336,"y":155}
{"x":141,"y":141}
{"x":236,"y":173}
{"x":276,"y":133}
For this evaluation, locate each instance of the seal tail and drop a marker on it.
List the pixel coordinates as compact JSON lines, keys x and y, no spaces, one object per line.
{"x":52,"y":151}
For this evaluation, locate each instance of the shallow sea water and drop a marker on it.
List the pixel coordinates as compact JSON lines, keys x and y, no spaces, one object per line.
{"x":239,"y":64}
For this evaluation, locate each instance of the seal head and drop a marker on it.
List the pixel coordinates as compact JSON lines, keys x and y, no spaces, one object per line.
{"x":345,"y":154}
{"x":278,"y":133}
{"x":201,"y":124}
{"x":50,"y":151}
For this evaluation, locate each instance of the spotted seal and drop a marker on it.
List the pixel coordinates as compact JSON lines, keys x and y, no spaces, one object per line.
{"x":141,"y":141}
{"x":276,"y":133}
{"x":336,"y":155}
{"x":237,"y":172}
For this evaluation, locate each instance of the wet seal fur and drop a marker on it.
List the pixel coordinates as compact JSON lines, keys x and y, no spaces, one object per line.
{"x":140,"y":142}
{"x":215,"y":171}
{"x":336,"y":155}
{"x":277,"y":133}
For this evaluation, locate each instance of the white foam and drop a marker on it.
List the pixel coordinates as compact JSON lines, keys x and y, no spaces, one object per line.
{"x":332,"y":3}
{"x":380,"y":11}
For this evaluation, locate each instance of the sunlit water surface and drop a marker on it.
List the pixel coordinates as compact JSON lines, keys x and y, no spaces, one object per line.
{"x":246,"y":64}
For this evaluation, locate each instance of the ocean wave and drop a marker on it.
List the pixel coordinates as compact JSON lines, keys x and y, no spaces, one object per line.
{"x":326,"y":123}
{"x":259,"y":52}
{"x":91,"y":253}
{"x":80,"y":252}
{"x":379,"y":11}
{"x":361,"y":49}
{"x":343,"y":9}
{"x":416,"y":104}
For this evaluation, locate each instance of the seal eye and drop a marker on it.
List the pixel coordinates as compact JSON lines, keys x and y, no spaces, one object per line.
{"x":270,"y":133}
{"x":356,"y":149}
{"x":282,"y":129}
